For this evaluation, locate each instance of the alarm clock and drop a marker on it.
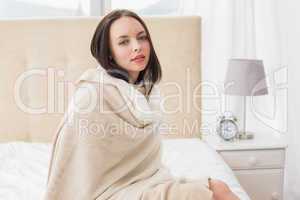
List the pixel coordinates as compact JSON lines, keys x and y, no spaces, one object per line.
{"x":227,"y":127}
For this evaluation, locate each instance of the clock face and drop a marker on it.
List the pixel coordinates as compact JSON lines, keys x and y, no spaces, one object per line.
{"x":228,"y":129}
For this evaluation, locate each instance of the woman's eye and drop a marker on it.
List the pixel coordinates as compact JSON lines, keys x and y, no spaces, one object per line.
{"x":144,"y":37}
{"x":123,"y":42}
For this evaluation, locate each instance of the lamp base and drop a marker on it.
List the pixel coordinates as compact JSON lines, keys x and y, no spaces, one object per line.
{"x":245,"y":136}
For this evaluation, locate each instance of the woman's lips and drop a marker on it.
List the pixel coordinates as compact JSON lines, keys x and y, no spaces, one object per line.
{"x":139,"y":60}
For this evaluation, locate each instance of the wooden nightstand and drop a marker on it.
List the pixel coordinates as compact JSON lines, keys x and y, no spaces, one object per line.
{"x":258,"y":164}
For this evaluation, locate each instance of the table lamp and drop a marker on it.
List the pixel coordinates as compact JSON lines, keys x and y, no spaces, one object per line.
{"x":245,"y":77}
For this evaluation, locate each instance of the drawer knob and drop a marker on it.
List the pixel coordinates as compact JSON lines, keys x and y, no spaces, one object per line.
{"x":252,"y":161}
{"x":275,"y":196}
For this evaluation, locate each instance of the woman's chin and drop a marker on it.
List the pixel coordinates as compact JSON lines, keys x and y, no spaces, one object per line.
{"x":138,"y":68}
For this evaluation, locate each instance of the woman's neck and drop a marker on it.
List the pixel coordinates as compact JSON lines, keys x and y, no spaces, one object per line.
{"x":133,"y":76}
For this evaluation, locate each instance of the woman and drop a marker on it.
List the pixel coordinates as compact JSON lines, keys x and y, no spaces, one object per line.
{"x":109,"y":148}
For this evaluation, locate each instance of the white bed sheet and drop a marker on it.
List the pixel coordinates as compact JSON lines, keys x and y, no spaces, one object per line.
{"x":24,"y":167}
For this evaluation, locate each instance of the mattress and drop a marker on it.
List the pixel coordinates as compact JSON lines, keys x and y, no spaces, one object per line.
{"x":24,"y":166}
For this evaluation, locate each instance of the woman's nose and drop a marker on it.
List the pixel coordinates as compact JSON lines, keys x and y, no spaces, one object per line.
{"x":136,"y":46}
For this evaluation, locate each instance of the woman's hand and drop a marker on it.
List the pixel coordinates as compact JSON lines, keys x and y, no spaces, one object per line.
{"x":221,"y":191}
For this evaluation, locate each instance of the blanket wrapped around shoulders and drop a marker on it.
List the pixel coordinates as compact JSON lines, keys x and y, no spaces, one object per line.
{"x":108,"y":146}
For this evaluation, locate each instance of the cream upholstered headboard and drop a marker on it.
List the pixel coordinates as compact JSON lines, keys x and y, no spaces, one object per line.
{"x":39,"y":58}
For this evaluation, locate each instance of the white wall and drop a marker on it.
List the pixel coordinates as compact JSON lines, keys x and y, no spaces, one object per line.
{"x":33,"y":8}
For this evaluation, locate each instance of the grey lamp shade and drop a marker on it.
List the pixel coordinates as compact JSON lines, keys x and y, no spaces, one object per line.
{"x":245,"y":77}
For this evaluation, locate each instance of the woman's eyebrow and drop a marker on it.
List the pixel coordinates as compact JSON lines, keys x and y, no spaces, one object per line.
{"x":123,"y":36}
{"x":139,"y":33}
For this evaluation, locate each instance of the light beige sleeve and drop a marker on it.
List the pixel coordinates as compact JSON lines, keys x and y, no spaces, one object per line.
{"x":180,"y":189}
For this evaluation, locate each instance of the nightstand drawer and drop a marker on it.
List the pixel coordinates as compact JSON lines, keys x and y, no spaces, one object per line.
{"x":262,"y":184}
{"x":254,"y":159}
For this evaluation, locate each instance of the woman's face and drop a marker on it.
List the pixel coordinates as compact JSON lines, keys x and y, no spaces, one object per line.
{"x":129,"y":45}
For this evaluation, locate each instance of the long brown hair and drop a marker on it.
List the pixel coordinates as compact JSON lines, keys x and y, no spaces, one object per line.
{"x":100,"y":50}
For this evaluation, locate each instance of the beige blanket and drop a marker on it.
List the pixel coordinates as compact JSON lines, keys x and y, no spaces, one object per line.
{"x":108,"y":146}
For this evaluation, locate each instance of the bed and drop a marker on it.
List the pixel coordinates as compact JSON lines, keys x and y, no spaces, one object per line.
{"x":24,"y":166}
{"x":41,"y":58}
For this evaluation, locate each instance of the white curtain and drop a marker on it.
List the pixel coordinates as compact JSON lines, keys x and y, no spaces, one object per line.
{"x":289,"y":10}
{"x":249,"y":29}
{"x":242,"y":29}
